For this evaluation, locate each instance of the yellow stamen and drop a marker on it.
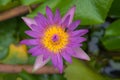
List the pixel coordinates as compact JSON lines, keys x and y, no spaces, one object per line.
{"x":55,"y":46}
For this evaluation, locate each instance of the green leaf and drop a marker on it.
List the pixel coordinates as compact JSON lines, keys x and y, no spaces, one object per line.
{"x":4,"y":43}
{"x":26,"y":76}
{"x":79,"y":71}
{"x":7,"y":29}
{"x":4,"y":2}
{"x":56,"y":77}
{"x":111,"y":39}
{"x":115,"y":9}
{"x":112,"y":43}
{"x":41,"y":8}
{"x":17,"y":55}
{"x":44,"y":77}
{"x":88,"y":11}
{"x":8,"y":5}
{"x":31,"y":59}
{"x":4,"y":76}
{"x":29,"y":2}
{"x":113,"y":29}
{"x":22,"y":27}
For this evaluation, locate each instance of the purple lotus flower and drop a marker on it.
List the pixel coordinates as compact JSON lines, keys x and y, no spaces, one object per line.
{"x":55,"y":38}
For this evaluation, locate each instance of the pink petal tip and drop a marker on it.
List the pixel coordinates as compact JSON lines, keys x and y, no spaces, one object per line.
{"x":71,"y":13}
{"x":81,"y":54}
{"x":39,"y":63}
{"x":28,"y":21}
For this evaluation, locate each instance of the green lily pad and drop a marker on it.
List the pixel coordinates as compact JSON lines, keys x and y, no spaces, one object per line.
{"x":111,"y":39}
{"x":79,"y":71}
{"x":115,"y":9}
{"x":7,"y":29}
{"x":88,"y":11}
